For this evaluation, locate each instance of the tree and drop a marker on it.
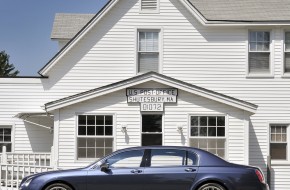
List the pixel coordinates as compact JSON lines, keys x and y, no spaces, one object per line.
{"x":6,"y":69}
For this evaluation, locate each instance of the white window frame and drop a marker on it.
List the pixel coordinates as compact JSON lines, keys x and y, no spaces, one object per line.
{"x":149,"y":11}
{"x":285,"y":123}
{"x":284,"y":73}
{"x":141,"y":128}
{"x":113,"y":137}
{"x":8,"y":126}
{"x":149,"y":29}
{"x":271,"y":54}
{"x":202,"y":137}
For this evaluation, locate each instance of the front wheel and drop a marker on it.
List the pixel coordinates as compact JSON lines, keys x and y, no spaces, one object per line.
{"x":211,"y":186}
{"x":58,"y":186}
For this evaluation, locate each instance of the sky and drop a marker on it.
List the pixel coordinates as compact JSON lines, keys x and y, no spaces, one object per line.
{"x":26,"y":25}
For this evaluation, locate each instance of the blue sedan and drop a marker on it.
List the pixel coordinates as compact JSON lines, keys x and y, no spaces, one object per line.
{"x":153,"y":168}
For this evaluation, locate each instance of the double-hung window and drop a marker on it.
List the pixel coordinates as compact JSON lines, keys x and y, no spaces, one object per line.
{"x":95,"y":136}
{"x":278,"y":142}
{"x":5,"y":138}
{"x":148,"y":51}
{"x":208,"y":133}
{"x":287,"y":53}
{"x":259,"y":52}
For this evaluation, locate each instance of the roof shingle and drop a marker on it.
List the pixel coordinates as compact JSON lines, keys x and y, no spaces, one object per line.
{"x":66,"y":26}
{"x":243,"y":10}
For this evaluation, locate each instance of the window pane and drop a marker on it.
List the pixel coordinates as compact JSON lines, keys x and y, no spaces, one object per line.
{"x":221,"y":153}
{"x":253,"y":36}
{"x":108,"y":151}
{"x":220,"y":131}
{"x":91,"y":143}
{"x":192,"y":159}
{"x":126,"y":159}
{"x":7,"y":131}
{"x":259,"y":62}
{"x":212,"y":131}
{"x":221,"y":121}
{"x":90,"y":120}
{"x":151,"y":123}
{"x":109,"y":120}
{"x":109,"y":131}
{"x":167,"y":157}
{"x":109,"y":143}
{"x":91,"y":130}
{"x":100,"y":152}
{"x":211,"y":121}
{"x":82,"y":130}
{"x":91,"y":153}
{"x":82,"y":153}
{"x":194,"y":121}
{"x":194,"y":131}
{"x":100,"y":130}
{"x":194,"y":143}
{"x":221,"y":143}
{"x":151,"y":139}
{"x":267,"y":36}
{"x":287,"y":61}
{"x":253,"y":46}
{"x":203,"y":121}
{"x":148,"y":62}
{"x":82,"y":142}
{"x":212,"y":143}
{"x":100,"y":143}
{"x":260,"y":36}
{"x":82,"y":120}
{"x":278,"y":151}
{"x":202,"y":143}
{"x":100,"y":120}
{"x":203,"y":131}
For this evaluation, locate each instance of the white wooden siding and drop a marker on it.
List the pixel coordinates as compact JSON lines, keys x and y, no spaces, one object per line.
{"x":211,"y":57}
{"x":280,"y":178}
{"x":24,"y":95}
{"x":129,"y":115}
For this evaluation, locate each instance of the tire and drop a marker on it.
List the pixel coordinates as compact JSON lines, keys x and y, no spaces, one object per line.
{"x":58,"y":186}
{"x":211,"y":186}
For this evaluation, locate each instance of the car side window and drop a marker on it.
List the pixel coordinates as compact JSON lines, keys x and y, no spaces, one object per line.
{"x":128,"y":159}
{"x":191,"y":159}
{"x":167,"y":157}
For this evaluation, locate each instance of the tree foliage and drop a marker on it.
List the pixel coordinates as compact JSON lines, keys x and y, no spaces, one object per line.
{"x":6,"y":69}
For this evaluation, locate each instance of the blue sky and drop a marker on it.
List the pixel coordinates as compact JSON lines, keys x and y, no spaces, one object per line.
{"x":26,"y":27}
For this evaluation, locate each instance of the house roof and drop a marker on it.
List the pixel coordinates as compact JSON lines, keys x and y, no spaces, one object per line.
{"x":66,"y":26}
{"x":243,"y":10}
{"x":156,"y":77}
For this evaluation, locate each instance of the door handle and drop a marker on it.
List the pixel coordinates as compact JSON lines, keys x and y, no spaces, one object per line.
{"x":135,"y":171}
{"x":190,"y":170}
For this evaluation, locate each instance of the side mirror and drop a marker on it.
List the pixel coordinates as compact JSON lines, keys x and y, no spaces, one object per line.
{"x":105,"y":167}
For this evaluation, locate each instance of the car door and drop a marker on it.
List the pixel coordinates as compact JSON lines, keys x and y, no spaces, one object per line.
{"x":170,"y":169}
{"x":124,"y":172}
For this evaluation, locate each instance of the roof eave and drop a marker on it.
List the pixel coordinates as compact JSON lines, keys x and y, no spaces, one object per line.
{"x":151,"y":76}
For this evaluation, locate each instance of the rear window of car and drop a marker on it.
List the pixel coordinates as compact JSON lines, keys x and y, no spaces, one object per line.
{"x":172,"y":157}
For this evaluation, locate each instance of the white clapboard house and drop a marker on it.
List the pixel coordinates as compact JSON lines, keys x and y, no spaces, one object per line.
{"x":212,"y":74}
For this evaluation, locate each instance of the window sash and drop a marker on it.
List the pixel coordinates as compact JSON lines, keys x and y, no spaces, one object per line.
{"x":90,"y":144}
{"x":259,"y":52}
{"x":148,"y":51}
{"x":287,"y":52}
{"x":279,"y":142}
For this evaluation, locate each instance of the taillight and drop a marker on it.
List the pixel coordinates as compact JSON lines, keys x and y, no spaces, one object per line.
{"x":260,"y":176}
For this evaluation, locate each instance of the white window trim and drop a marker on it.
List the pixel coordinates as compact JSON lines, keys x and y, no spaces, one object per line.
{"x":208,"y":115}
{"x":149,"y":28}
{"x":12,"y":127}
{"x":163,"y":128}
{"x":84,"y":160}
{"x":284,"y":74}
{"x":157,"y":11}
{"x":279,"y":162}
{"x":271,"y":51}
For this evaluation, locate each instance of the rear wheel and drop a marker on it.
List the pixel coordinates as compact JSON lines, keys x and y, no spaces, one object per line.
{"x":58,"y":186}
{"x":211,"y":186}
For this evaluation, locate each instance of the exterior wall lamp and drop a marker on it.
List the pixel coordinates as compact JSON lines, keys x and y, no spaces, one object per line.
{"x":179,"y":129}
{"x":124,"y":128}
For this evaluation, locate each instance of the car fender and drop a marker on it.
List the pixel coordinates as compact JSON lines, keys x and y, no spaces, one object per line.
{"x":211,"y":179}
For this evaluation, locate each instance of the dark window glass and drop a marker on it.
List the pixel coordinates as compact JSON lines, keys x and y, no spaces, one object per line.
{"x":151,"y":139}
{"x":278,"y":151}
{"x":151,"y":123}
{"x":212,"y":131}
{"x":203,"y":131}
{"x":109,"y":120}
{"x":194,"y":131}
{"x":191,"y":159}
{"x":221,"y":121}
{"x":82,"y":130}
{"x":203,"y":121}
{"x":194,"y":121}
{"x":100,"y":120}
{"x":100,"y":130}
{"x":109,"y":130}
{"x":211,"y":121}
{"x":82,"y":120}
{"x":221,"y":132}
{"x":90,"y":120}
{"x":91,"y":130}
